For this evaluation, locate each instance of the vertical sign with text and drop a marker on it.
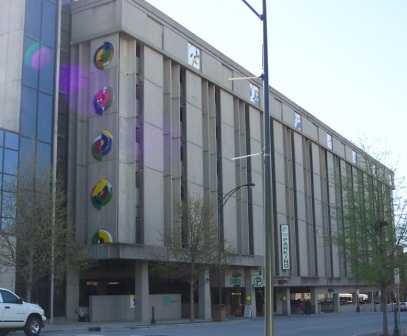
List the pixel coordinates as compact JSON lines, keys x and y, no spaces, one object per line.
{"x":285,"y":246}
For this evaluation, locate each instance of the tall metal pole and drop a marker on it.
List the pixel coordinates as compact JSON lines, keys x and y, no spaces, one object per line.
{"x":269,"y":257}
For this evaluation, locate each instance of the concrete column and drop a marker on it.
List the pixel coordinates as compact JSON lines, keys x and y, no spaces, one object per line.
{"x":142,"y":292}
{"x":314,"y":300}
{"x":204,"y":309}
{"x":283,"y":301}
{"x":72,"y":294}
{"x":250,"y":291}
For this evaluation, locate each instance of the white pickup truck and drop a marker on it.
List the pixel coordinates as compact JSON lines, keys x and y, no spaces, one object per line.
{"x":15,"y":314}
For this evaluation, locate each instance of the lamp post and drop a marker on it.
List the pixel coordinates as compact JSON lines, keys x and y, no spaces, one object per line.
{"x":269,"y":257}
{"x":221,"y":203}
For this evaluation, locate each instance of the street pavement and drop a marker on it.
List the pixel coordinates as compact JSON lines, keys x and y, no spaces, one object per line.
{"x":80,"y":327}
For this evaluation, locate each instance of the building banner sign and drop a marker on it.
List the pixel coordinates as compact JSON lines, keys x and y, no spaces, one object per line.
{"x":285,"y":246}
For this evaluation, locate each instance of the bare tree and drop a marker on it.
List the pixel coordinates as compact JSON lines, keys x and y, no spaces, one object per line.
{"x":193,"y":245}
{"x":373,"y":230}
{"x":35,"y":239}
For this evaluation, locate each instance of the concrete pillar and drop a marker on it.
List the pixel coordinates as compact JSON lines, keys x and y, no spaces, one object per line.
{"x":250,"y":291}
{"x":72,"y":294}
{"x":314,"y":300}
{"x":142,"y":292}
{"x":336,"y":302}
{"x":283,"y":301}
{"x":204,"y":308}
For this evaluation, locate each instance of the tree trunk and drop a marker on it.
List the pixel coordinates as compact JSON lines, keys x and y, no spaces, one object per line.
{"x":28,"y":293}
{"x":191,"y":300}
{"x":383,"y":302}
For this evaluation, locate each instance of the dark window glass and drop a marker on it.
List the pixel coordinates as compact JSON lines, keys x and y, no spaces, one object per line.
{"x":9,"y":297}
{"x":46,"y":83}
{"x":48,"y":28}
{"x":32,"y":62}
{"x":44,"y":125}
{"x":11,"y":141}
{"x":28,"y":117}
{"x":27,"y":149}
{"x":6,"y":222}
{"x":32,"y":15}
{"x":9,"y":182}
{"x":43,"y":159}
{"x":9,"y":205}
{"x":10,"y":161}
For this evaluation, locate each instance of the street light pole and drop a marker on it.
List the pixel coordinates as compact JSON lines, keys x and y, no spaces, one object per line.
{"x":269,"y":257}
{"x":221,"y":203}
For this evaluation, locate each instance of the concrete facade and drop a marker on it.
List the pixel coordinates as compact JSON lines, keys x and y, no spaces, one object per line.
{"x":11,"y":37}
{"x":169,"y":125}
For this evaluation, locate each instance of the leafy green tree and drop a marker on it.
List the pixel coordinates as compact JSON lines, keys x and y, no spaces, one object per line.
{"x":35,"y":239}
{"x":373,"y":232}
{"x":193,"y":246}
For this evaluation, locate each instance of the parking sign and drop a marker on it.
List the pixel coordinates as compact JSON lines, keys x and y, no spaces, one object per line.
{"x":258,"y":281}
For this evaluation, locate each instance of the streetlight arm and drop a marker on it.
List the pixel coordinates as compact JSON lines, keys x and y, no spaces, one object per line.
{"x":225,"y":198}
{"x":253,"y":10}
{"x":221,"y":203}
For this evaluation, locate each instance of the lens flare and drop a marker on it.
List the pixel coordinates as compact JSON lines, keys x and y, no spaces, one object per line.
{"x":37,"y":56}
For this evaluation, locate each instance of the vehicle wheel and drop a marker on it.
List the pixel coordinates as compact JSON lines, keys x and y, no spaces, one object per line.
{"x":32,"y":326}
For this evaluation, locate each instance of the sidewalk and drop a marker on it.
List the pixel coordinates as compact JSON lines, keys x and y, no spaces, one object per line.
{"x":61,"y":326}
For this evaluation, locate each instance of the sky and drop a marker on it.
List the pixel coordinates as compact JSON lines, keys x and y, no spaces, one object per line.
{"x":343,"y":61}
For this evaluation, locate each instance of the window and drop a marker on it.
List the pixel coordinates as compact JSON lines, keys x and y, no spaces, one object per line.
{"x":48,"y":22}
{"x":27,"y":148}
{"x":9,"y":297}
{"x":43,"y":159}
{"x":9,"y":182}
{"x":44,"y":126}
{"x":46,"y":66}
{"x":32,"y":24}
{"x":10,"y":161}
{"x":8,"y":205}
{"x":28,"y":117}
{"x":31,"y":57}
{"x":11,"y":141}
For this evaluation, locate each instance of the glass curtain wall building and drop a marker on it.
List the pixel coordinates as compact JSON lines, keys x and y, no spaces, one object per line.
{"x":30,"y":32}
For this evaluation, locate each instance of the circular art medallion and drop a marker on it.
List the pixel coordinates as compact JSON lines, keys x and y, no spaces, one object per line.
{"x":103,"y":55}
{"x":103,"y":99}
{"x":101,"y":193}
{"x":102,"y":145}
{"x":102,"y":237}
